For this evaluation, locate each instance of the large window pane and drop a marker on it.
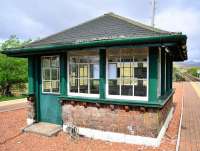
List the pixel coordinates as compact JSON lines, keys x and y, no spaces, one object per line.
{"x":124,"y":67}
{"x":84,"y":72}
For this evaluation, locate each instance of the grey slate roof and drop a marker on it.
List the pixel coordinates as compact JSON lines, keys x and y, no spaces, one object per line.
{"x":108,"y":26}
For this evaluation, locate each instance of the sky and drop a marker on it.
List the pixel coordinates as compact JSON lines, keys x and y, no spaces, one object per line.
{"x":33,"y":19}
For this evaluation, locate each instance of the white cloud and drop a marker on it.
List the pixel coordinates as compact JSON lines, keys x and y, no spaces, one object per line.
{"x":182,"y":20}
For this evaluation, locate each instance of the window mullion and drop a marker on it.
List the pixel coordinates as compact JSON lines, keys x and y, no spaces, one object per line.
{"x":133,"y":71}
{"x":78,"y":78}
{"x":88,"y":78}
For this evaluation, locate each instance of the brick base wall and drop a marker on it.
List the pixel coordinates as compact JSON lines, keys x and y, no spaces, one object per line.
{"x":128,"y":120}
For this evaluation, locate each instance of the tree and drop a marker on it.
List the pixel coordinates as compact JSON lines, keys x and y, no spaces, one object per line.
{"x":12,"y":70}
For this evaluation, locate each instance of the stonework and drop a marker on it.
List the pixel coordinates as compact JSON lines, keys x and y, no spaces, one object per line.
{"x":134,"y":121}
{"x":30,"y":111}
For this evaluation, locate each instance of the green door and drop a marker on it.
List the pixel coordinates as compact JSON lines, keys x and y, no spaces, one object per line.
{"x":49,"y":104}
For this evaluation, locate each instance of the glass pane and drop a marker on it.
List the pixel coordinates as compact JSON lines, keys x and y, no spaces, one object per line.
{"x":73,"y":70}
{"x":94,"y":86}
{"x":55,"y":61}
{"x":73,"y":85}
{"x":113,"y":87}
{"x":94,"y":71}
{"x":46,"y":74}
{"x":83,"y":71}
{"x":46,"y":86}
{"x":55,"y":86}
{"x":112,"y":71}
{"x":46,"y":62}
{"x":83,"y":85}
{"x":140,"y":72}
{"x":127,"y":86}
{"x":140,"y":88}
{"x":55,"y":74}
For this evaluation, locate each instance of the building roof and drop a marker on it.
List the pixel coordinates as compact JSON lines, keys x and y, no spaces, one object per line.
{"x":108,"y":26}
{"x":106,"y":31}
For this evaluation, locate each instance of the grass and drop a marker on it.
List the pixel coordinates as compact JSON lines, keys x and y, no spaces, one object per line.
{"x":7,"y":98}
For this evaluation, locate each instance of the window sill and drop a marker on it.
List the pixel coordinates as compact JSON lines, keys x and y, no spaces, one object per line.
{"x":157,"y":104}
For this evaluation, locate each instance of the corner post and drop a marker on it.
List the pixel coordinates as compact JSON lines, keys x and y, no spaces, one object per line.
{"x":153,"y":73}
{"x":63,"y":74}
{"x":102,"y":74}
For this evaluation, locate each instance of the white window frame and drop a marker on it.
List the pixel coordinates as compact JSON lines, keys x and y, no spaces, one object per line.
{"x":68,"y":78}
{"x":51,"y":92}
{"x":139,"y":98}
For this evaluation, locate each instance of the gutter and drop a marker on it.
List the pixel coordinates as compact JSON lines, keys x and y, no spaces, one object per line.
{"x":25,"y":51}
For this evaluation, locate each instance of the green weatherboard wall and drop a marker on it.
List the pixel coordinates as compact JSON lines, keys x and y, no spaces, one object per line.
{"x":48,"y":107}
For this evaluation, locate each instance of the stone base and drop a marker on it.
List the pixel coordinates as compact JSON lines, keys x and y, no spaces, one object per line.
{"x":131,"y":121}
{"x":124,"y":138}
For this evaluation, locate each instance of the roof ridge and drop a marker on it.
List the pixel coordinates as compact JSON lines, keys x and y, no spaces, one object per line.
{"x":137,"y":23}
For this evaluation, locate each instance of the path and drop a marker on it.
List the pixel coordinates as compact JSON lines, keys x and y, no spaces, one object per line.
{"x":12,"y":105}
{"x":190,"y":128}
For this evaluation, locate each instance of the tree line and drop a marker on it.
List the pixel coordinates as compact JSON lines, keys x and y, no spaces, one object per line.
{"x":12,"y":70}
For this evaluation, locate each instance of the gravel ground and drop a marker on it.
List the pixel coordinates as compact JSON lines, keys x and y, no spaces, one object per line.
{"x":11,"y":139}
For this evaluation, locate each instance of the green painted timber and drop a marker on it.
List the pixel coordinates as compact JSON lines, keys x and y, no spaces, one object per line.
{"x":171,"y":74}
{"x":153,"y":73}
{"x":37,"y":86}
{"x":159,"y":103}
{"x":162,"y":71}
{"x":49,"y":104}
{"x":179,"y":39}
{"x":167,"y":72}
{"x":102,"y":74}
{"x":31,"y":76}
{"x":63,"y":74}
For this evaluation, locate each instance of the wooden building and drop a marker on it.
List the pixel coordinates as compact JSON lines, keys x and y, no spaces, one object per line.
{"x":110,"y":74}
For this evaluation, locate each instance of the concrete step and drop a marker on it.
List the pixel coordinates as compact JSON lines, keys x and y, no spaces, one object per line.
{"x":43,"y":128}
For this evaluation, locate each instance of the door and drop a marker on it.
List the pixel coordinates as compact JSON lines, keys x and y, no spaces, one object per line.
{"x":49,"y":90}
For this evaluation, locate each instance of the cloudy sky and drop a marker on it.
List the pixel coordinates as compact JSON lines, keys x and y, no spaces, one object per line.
{"x":39,"y":18}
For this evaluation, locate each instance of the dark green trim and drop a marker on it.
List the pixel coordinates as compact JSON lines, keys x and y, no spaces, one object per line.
{"x":31,"y":76}
{"x":37,"y":86}
{"x":171,"y":73}
{"x":162,"y":71}
{"x":179,"y":39}
{"x":102,"y":74}
{"x":153,"y":73}
{"x":159,"y":103}
{"x":63,"y":74}
{"x":167,"y":72}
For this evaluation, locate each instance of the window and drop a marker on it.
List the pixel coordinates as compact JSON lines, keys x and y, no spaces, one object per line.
{"x":84,"y":72}
{"x":127,"y":73}
{"x":50,"y":74}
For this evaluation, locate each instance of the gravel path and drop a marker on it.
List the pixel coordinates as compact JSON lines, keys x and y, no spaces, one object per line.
{"x":11,"y":139}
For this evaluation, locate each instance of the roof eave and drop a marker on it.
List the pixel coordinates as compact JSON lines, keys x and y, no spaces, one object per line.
{"x":178,"y":39}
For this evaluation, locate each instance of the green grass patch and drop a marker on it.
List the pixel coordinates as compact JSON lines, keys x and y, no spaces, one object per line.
{"x":7,"y":98}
